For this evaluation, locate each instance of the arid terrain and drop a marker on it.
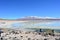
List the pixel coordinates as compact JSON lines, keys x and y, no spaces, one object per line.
{"x":11,"y":34}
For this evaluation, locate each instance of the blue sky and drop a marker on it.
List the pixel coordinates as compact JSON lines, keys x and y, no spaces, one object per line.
{"x":20,"y":8}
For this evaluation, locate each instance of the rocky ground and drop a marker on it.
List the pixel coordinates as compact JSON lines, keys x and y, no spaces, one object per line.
{"x":27,"y":35}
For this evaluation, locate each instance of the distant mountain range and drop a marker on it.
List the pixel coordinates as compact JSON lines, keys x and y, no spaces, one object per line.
{"x":32,"y":18}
